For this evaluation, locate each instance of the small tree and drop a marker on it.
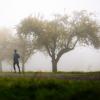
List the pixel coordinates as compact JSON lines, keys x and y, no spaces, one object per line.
{"x":25,"y":41}
{"x":26,"y":49}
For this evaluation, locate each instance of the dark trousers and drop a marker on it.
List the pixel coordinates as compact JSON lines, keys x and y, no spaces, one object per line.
{"x":14,"y":64}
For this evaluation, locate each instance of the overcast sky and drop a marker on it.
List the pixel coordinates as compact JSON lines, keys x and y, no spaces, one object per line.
{"x":13,"y":11}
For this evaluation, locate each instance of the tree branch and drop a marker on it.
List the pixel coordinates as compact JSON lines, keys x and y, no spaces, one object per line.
{"x":74,"y":44}
{"x":65,"y":50}
{"x":61,"y":53}
{"x":48,"y":51}
{"x":69,"y":40}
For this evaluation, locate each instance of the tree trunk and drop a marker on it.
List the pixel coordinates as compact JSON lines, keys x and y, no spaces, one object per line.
{"x":0,"y":66}
{"x":23,"y":67}
{"x":54,"y":65}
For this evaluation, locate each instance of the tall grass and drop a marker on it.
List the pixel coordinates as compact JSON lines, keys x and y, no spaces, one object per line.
{"x":48,"y":89}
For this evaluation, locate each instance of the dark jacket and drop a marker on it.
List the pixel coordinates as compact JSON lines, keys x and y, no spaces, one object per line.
{"x":16,"y":57}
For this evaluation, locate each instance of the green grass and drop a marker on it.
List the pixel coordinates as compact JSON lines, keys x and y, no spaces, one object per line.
{"x":48,"y":89}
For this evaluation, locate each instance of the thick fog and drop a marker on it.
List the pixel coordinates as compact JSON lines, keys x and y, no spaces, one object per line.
{"x":80,"y":59}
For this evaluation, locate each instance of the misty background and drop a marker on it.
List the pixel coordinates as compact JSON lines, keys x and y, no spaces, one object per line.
{"x":80,"y":59}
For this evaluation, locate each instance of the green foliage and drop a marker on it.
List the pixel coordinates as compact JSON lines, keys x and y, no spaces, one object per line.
{"x":47,"y":89}
{"x":25,"y":40}
{"x":29,"y":25}
{"x":62,"y":34}
{"x":86,"y":28}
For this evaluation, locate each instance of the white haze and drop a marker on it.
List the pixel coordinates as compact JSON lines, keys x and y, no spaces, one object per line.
{"x":80,"y":59}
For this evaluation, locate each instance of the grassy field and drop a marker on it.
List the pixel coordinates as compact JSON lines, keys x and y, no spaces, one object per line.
{"x":41,"y":88}
{"x":58,"y":75}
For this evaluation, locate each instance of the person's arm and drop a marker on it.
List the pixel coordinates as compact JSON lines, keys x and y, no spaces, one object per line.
{"x":18,"y":55}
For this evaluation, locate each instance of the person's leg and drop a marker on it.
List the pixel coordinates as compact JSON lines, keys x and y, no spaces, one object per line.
{"x":14,"y":67}
{"x":18,"y":66}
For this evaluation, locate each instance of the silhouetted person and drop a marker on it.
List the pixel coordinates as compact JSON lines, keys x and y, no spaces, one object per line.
{"x":16,"y":57}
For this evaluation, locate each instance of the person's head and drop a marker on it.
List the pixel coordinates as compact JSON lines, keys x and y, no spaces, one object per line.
{"x":15,"y":50}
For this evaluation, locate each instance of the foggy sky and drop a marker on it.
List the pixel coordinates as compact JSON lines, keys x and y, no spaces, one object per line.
{"x":80,"y":59}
